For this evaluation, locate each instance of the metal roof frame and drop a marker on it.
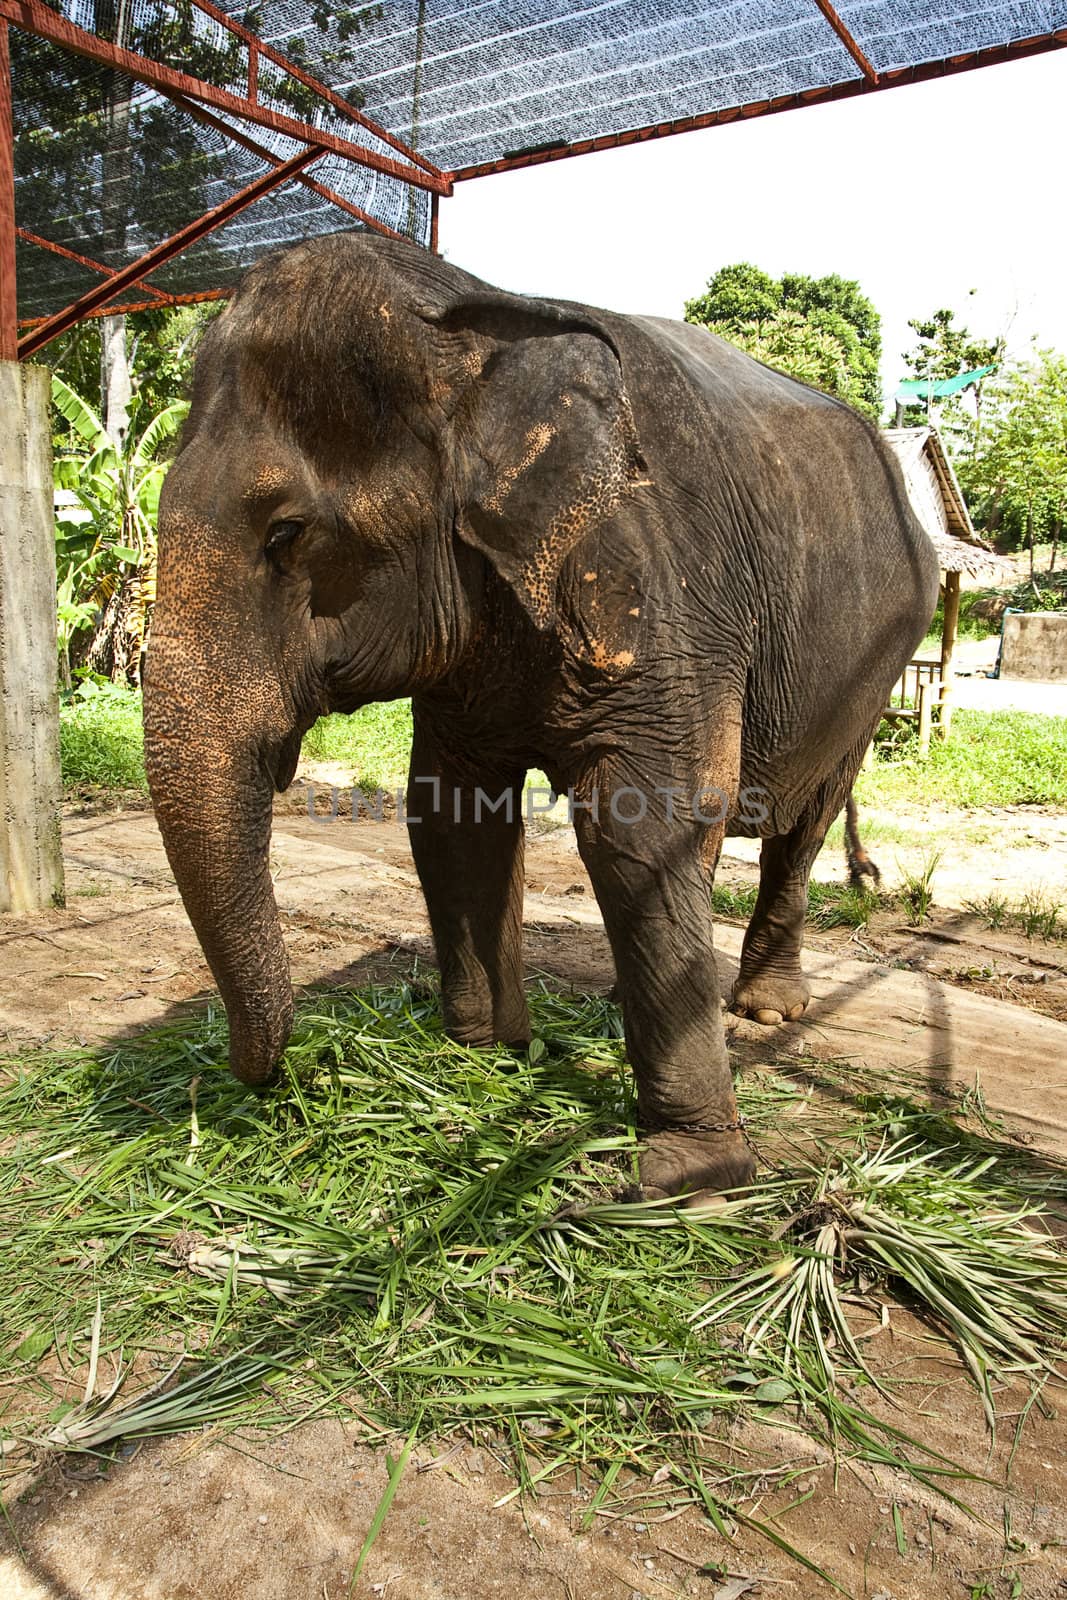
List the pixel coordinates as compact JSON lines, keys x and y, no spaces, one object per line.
{"x":202,"y":100}
{"x":211,"y":105}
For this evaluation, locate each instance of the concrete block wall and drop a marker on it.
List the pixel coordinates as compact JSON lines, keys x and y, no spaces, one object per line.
{"x":1034,"y":646}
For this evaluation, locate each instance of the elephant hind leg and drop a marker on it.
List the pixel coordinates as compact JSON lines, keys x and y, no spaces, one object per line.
{"x":771,"y":986}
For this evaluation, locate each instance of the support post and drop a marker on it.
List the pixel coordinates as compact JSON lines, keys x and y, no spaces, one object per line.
{"x":949,"y":634}
{"x":31,"y":858}
{"x":925,"y":717}
{"x":9,"y":316}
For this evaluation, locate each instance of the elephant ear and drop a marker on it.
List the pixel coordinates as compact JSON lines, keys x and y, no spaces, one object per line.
{"x":544,"y":433}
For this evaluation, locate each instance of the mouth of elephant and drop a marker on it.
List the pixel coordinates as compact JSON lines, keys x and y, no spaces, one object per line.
{"x":284,"y":764}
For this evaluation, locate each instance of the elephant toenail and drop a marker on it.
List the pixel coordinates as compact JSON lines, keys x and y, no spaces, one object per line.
{"x":768,"y":1018}
{"x":797,"y":1011}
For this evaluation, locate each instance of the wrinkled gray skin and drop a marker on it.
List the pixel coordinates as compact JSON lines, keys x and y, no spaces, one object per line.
{"x":613,"y":548}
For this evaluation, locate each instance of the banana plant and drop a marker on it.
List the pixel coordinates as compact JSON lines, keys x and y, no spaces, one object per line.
{"x":106,"y":507}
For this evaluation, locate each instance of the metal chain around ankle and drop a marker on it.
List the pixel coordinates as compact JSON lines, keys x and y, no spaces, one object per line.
{"x":738,"y":1125}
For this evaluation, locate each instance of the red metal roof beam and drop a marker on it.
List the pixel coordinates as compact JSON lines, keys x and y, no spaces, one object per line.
{"x":990,"y":56}
{"x":35,"y":18}
{"x":254,"y":148}
{"x":194,"y":299}
{"x":869,"y":72}
{"x":101,"y":293}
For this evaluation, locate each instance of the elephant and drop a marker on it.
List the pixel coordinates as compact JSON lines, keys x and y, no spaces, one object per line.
{"x":612,"y":548}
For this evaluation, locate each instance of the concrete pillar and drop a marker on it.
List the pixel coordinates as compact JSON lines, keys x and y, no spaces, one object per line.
{"x":31,"y":859}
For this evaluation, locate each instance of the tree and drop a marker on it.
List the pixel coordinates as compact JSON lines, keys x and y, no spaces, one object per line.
{"x":823,"y":331}
{"x":106,"y":504}
{"x":1016,"y":479}
{"x":946,"y":350}
{"x":162,"y":345}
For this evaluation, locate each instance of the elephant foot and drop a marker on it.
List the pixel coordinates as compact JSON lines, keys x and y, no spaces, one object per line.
{"x":693,"y":1164}
{"x":480,"y":1029}
{"x":517,"y":1038}
{"x":770,"y":997}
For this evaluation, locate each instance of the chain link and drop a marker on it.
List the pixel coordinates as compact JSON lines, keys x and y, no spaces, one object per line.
{"x":738,"y":1125}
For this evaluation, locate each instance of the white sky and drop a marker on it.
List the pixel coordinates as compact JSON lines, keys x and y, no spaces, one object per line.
{"x":949,"y":193}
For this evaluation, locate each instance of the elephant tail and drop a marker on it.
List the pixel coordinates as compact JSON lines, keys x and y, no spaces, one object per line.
{"x":860,"y":865}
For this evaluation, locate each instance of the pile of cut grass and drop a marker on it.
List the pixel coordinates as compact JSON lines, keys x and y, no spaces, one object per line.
{"x":425,"y":1236}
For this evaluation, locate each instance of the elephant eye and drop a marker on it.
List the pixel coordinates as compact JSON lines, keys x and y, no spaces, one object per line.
{"x":282,"y":533}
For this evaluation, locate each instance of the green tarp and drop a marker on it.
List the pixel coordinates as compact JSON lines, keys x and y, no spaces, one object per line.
{"x":925,"y":389}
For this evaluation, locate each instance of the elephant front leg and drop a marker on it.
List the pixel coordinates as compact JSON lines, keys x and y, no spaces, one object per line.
{"x":467,"y":841}
{"x":650,"y":881}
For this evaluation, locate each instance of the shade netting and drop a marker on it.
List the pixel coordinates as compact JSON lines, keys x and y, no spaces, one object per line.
{"x":106,"y":167}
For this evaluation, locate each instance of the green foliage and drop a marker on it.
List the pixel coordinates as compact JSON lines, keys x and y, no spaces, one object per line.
{"x":982,"y":610}
{"x":995,"y":758}
{"x":1037,"y":913}
{"x":334,"y":57}
{"x":944,"y":350}
{"x":162,"y":345}
{"x":374,"y":743}
{"x":1015,"y":478}
{"x":106,"y":506}
{"x":830,"y":905}
{"x":130,"y":165}
{"x":737,"y":297}
{"x":823,"y":331}
{"x":918,"y":891}
{"x":734,"y":900}
{"x":101,"y":743}
{"x":95,"y":151}
{"x":1000,"y":758}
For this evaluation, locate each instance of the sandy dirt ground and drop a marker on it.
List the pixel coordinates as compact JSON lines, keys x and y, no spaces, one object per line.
{"x":282,"y":1516}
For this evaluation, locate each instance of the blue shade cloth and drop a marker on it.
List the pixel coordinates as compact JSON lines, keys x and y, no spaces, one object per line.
{"x":107,"y":167}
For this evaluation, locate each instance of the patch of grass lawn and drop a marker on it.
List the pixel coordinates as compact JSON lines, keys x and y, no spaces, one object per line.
{"x":1000,"y":758}
{"x":374,"y":743}
{"x":993,"y":758}
{"x":101,"y":742}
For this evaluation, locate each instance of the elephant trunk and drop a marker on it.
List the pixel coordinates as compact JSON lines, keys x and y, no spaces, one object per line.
{"x":211,"y":783}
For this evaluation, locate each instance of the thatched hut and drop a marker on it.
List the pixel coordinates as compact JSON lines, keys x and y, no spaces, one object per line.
{"x":939,"y":504}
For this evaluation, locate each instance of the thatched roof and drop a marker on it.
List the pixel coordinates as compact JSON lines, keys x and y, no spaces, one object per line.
{"x":938,"y":503}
